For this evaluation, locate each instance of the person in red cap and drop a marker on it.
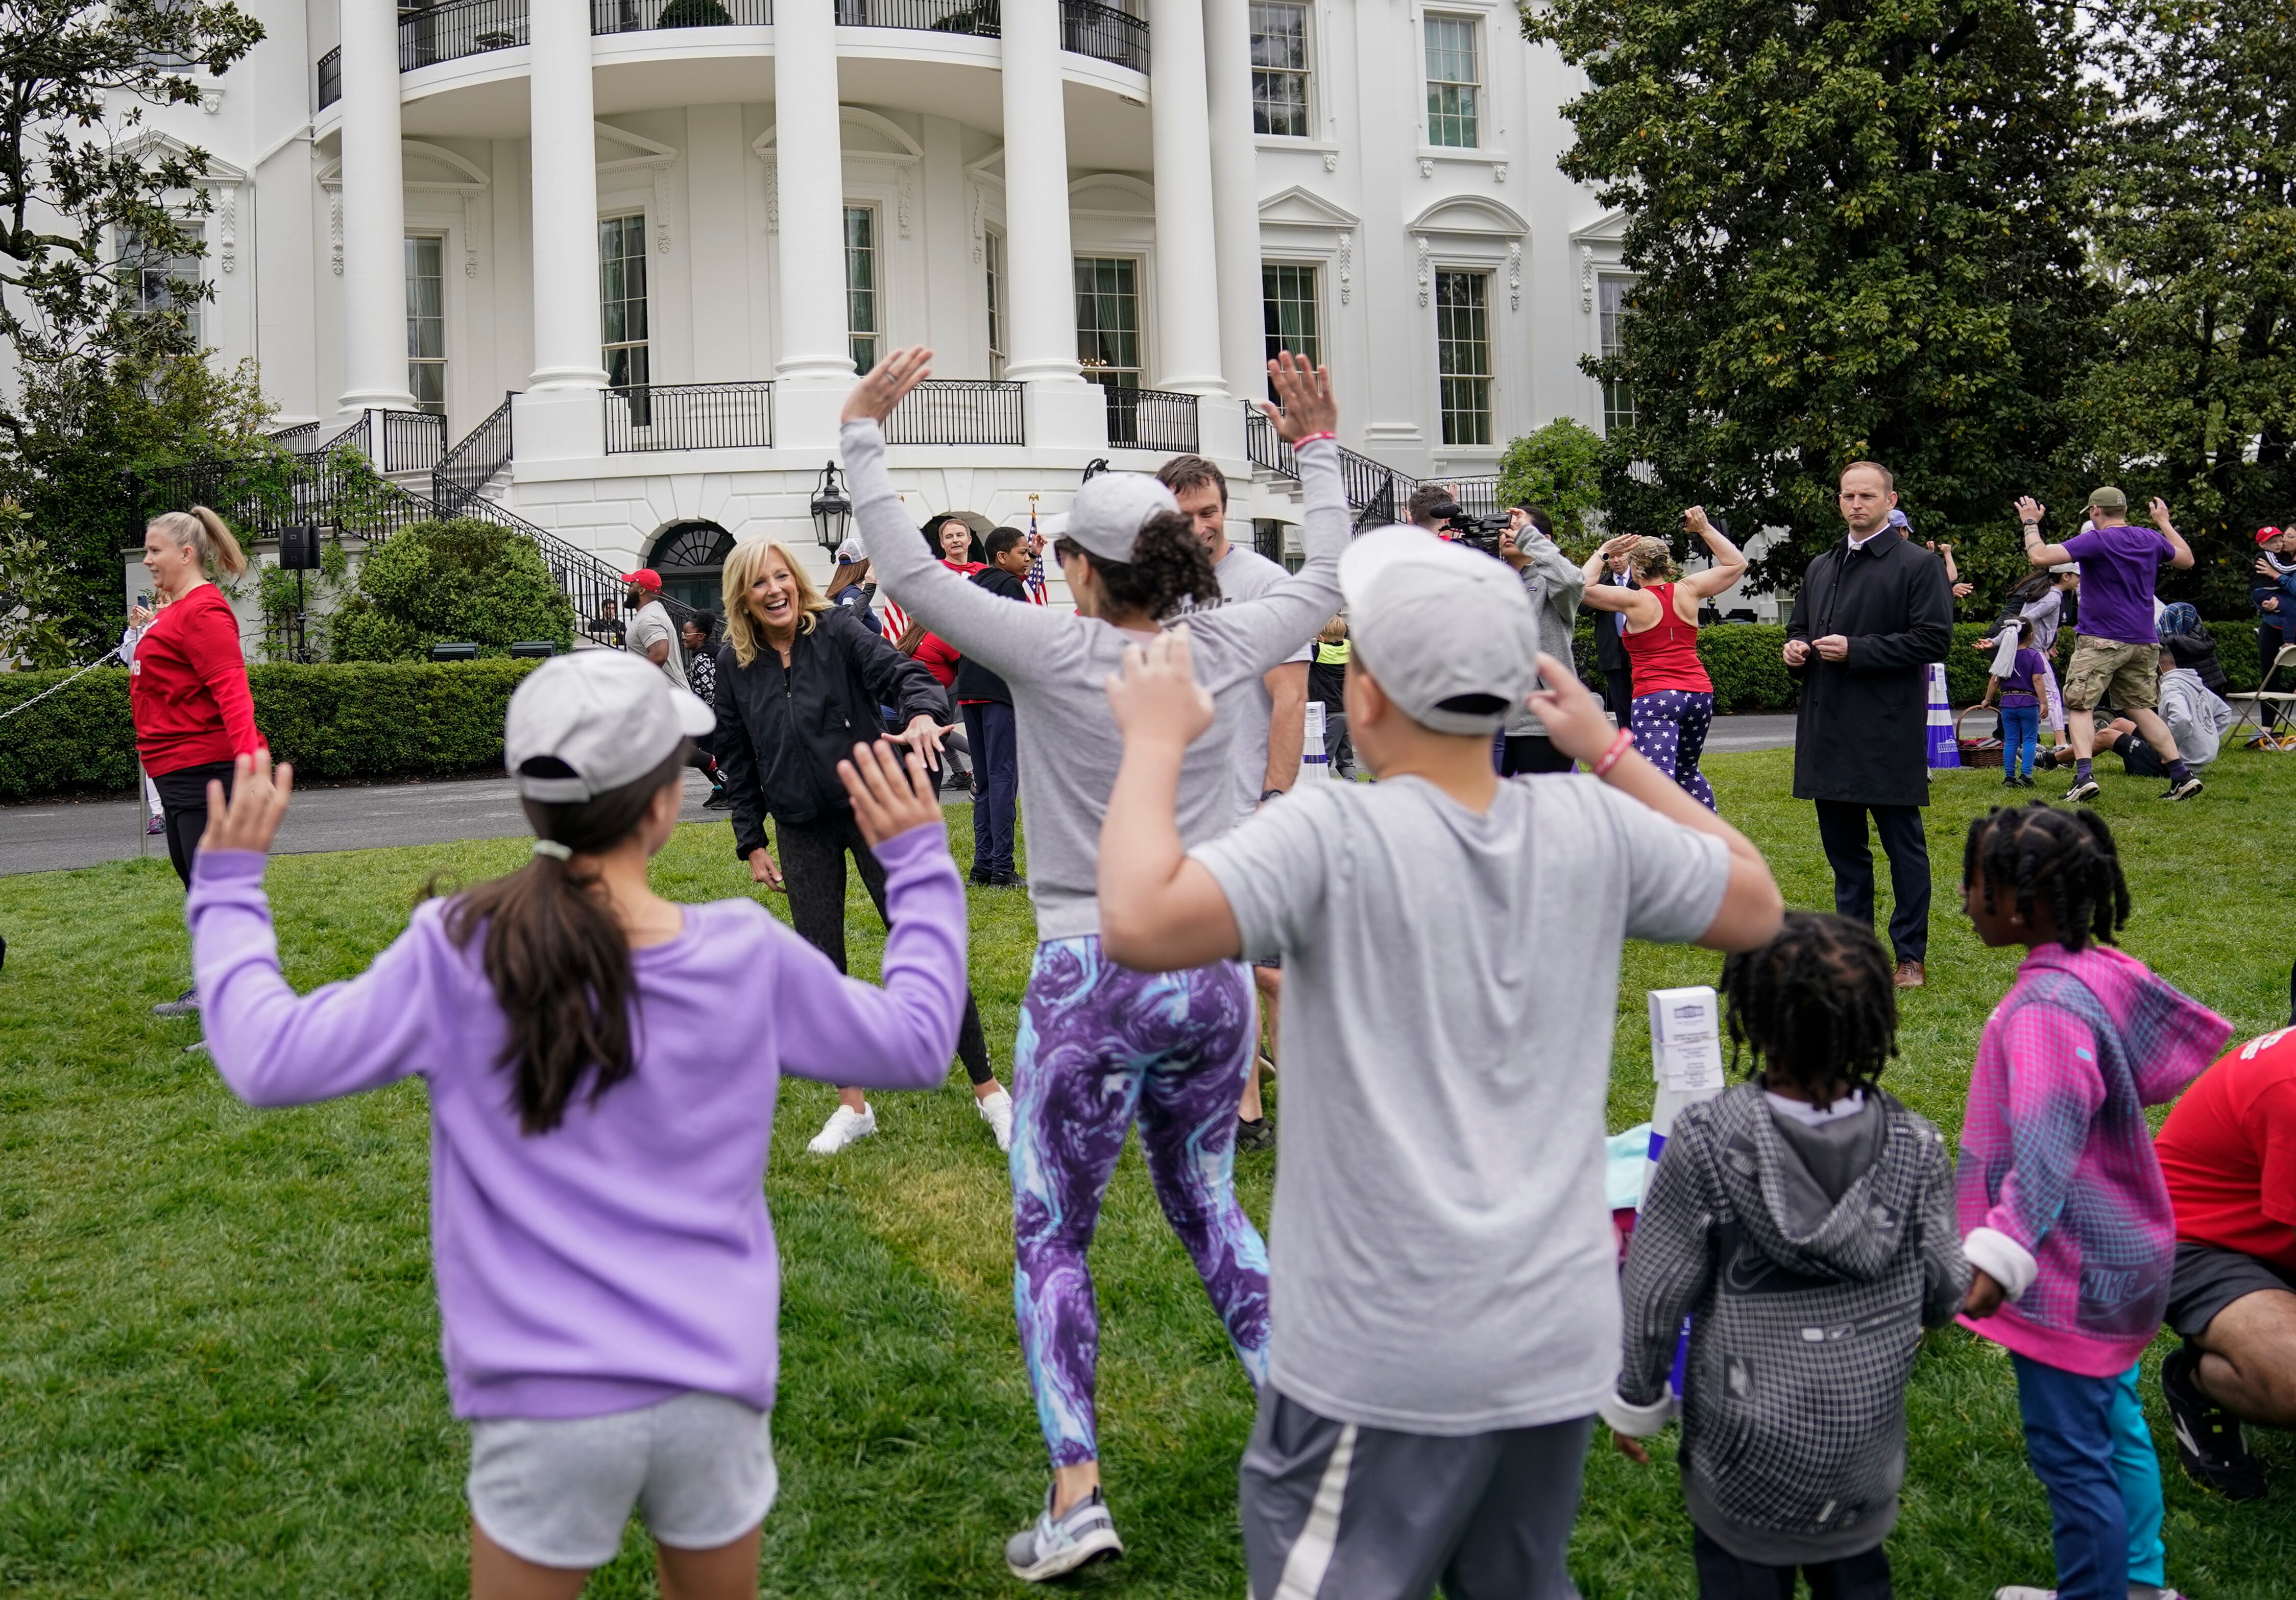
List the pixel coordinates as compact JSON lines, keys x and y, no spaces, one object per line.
{"x":2274,"y":595}
{"x":651,"y":633}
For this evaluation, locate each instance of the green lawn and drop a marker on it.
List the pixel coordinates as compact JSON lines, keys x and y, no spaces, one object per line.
{"x":219,"y":1370}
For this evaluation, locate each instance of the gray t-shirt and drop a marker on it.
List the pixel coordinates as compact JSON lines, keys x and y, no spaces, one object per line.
{"x":1057,"y":664}
{"x":1245,"y":574}
{"x":649,"y":624}
{"x":1440,"y":1255}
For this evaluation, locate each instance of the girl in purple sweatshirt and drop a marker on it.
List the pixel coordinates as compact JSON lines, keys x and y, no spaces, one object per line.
{"x":601,"y":1065}
{"x":2063,"y":1208}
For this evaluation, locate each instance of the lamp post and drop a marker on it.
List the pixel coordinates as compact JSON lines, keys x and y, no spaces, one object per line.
{"x":831,"y":511}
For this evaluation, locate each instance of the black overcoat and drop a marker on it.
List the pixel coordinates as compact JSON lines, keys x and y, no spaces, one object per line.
{"x":1862,"y":733}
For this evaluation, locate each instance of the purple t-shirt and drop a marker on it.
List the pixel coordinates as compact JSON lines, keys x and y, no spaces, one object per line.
{"x":2118,"y":567}
{"x":2022,"y":687}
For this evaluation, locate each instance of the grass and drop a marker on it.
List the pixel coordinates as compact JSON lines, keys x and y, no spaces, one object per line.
{"x":218,"y":1367}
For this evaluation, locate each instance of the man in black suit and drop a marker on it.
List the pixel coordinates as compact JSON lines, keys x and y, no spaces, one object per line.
{"x":1872,"y":612}
{"x":1611,"y":645}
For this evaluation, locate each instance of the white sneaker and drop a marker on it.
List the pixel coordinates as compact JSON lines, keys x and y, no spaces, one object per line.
{"x":996,"y":1111}
{"x":1083,"y":1534}
{"x":2022,"y":1591}
{"x":844,"y":1126}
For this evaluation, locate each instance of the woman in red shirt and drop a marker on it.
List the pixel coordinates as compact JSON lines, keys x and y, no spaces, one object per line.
{"x":187,"y":686}
{"x":1673,"y":704}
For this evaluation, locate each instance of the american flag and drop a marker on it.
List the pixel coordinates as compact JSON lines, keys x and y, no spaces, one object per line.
{"x":1035,"y":582}
{"x":893,"y":618}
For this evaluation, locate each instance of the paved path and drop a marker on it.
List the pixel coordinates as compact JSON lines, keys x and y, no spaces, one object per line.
{"x":55,"y":834}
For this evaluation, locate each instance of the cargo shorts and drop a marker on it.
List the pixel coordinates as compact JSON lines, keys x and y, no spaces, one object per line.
{"x":2129,"y":673}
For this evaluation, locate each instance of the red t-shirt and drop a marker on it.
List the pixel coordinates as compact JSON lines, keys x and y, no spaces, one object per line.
{"x":939,"y":658}
{"x":187,"y":689}
{"x":2228,"y":1151}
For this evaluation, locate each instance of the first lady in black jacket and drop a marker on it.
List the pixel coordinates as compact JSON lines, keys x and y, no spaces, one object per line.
{"x":798,"y":684}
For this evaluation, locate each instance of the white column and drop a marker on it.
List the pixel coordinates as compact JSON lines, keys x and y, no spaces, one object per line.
{"x":816,"y":363}
{"x":564,"y":129}
{"x":374,"y":212}
{"x":1187,"y":268}
{"x":1039,"y":258}
{"x":1235,"y":195}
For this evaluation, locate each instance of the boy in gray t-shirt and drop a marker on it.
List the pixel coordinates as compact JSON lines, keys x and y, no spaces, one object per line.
{"x":1443,"y":1298}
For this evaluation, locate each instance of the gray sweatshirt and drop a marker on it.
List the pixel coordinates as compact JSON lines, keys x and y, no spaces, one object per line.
{"x":2197,"y":719}
{"x":1554,"y":583}
{"x":1056,"y":663}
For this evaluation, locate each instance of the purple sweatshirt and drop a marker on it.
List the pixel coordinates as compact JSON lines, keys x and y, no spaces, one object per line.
{"x":625,"y":1256}
{"x":2060,"y":1196}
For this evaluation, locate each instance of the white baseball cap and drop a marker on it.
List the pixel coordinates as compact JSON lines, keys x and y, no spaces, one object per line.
{"x":1447,"y":631}
{"x":1108,"y":513}
{"x":602,"y":719}
{"x":853,"y":550}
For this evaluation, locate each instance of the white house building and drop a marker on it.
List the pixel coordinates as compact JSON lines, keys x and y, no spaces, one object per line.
{"x":628,"y":253}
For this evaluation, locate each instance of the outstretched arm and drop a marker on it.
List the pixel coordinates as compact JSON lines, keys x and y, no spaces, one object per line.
{"x":1275,"y":626}
{"x":2030,"y":513}
{"x":1729,"y":562}
{"x":2180,"y":554}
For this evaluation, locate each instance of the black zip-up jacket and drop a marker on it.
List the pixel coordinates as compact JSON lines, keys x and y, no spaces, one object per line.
{"x":782,"y":732}
{"x":973,"y":680}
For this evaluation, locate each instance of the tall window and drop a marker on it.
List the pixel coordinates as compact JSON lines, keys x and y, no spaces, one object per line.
{"x":1617,"y":306}
{"x":1279,"y":69}
{"x":1454,"y":82}
{"x":1108,"y":319}
{"x":1462,"y":355}
{"x":426,"y":322}
{"x":1287,"y":298}
{"x":163,"y":283}
{"x":861,"y":284}
{"x":993,"y":253}
{"x":622,"y":301}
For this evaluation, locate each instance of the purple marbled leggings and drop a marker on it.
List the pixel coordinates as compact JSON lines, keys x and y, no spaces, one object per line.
{"x":1100,"y":1048}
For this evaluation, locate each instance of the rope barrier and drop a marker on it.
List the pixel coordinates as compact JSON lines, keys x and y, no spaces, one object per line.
{"x":67,"y":683}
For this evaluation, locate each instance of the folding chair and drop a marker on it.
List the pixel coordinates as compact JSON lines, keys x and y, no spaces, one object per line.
{"x":2272,"y":712}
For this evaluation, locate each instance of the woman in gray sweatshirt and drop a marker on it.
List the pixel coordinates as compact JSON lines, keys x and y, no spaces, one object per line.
{"x":1101,"y":1046}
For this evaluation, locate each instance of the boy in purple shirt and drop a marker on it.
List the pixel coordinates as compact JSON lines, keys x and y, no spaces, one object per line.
{"x":2117,"y":650}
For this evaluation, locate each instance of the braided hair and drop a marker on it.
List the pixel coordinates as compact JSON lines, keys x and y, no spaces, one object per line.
{"x":2066,"y":857}
{"x":1816,"y":1006}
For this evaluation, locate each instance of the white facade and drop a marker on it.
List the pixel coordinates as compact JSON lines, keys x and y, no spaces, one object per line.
{"x":585,"y":196}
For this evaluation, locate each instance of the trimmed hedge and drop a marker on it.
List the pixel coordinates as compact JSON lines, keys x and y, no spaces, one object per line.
{"x":379,"y":720}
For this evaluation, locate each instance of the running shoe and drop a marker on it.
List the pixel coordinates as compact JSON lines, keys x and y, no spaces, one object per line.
{"x":2210,"y":1440}
{"x":2185,"y":791}
{"x":2085,"y":789}
{"x":1259,"y":1134}
{"x":1008,"y":881}
{"x":718,"y":800}
{"x":996,"y":1111}
{"x":845,"y":1125}
{"x":158,"y":824}
{"x":1055,"y":1546}
{"x":184,"y":1004}
{"x":981,"y":877}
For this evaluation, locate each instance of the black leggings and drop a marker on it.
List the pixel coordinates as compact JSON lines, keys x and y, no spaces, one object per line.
{"x":812,"y":869}
{"x":183,"y":809}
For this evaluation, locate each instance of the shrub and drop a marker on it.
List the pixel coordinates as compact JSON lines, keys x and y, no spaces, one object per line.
{"x":1559,"y":469}
{"x":383,"y":719}
{"x":693,"y":14}
{"x":461,"y":579}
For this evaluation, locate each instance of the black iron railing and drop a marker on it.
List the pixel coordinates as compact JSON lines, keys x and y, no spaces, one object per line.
{"x":1152,"y":419}
{"x":298,"y":438}
{"x":466,"y":469}
{"x":690,"y":416}
{"x":331,"y":78}
{"x":457,"y":29}
{"x":1105,"y":33}
{"x":412,"y":442}
{"x":644,"y":16}
{"x":1377,"y":494}
{"x":958,"y":411}
{"x":979,"y":17}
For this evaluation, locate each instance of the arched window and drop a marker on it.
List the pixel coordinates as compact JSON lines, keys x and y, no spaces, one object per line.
{"x":690,"y":557}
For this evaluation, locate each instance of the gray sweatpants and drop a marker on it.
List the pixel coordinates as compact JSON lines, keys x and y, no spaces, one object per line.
{"x":1333,"y":1511}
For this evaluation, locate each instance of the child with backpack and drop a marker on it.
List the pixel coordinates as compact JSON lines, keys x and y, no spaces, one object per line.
{"x":601,"y":1066}
{"x":2063,"y":1209}
{"x":1805,"y":1199}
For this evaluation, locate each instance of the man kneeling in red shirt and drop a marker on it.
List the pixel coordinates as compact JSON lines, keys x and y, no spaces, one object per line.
{"x":2229,"y":1152}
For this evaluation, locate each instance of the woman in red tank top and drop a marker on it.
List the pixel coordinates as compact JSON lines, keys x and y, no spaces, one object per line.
{"x":1673,"y":705}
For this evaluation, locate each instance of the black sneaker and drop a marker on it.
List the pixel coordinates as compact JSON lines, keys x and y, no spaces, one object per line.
{"x":2209,"y":1442}
{"x":718,"y":800}
{"x":2086,"y":789}
{"x":1007,"y":880}
{"x":981,"y":877}
{"x":2183,"y":791}
{"x":1258,"y":1135}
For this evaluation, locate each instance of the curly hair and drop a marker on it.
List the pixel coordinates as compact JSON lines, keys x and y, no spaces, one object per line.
{"x":1168,"y":565}
{"x":1816,"y":1006}
{"x":2065,"y":857}
{"x":1651,"y":561}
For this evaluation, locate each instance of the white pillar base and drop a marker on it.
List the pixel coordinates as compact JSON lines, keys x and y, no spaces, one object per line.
{"x":807,"y":408}
{"x":1219,"y":432}
{"x":559,"y":424}
{"x":1065,"y":416}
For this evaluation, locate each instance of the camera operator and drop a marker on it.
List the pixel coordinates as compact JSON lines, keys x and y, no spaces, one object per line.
{"x":1553,"y":583}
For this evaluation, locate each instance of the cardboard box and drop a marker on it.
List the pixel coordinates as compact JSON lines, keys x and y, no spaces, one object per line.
{"x":1685,"y":1026}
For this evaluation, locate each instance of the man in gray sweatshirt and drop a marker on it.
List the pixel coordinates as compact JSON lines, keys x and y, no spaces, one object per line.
{"x":1554,"y":583}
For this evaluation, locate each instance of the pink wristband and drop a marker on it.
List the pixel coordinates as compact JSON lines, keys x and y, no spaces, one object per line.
{"x":1620,"y":746}
{"x":1312,"y":438}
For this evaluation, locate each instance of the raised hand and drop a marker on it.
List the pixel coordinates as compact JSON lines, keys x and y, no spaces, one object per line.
{"x":2161,"y":515}
{"x":1304,"y":392}
{"x":882,"y":387}
{"x":889,"y":795}
{"x":2029,"y":510}
{"x":250,"y":819}
{"x":1156,"y":698}
{"x":1567,"y":708}
{"x":1697,"y":521}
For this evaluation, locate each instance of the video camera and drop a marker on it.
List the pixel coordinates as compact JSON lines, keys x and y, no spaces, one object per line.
{"x":1477,"y":533}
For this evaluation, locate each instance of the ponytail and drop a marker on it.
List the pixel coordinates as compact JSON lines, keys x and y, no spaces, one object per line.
{"x":558,"y":960}
{"x":205,"y":532}
{"x":1168,"y":565}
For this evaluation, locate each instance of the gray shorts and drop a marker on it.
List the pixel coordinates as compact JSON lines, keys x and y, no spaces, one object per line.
{"x":1333,"y":1511}
{"x":557,"y":1491}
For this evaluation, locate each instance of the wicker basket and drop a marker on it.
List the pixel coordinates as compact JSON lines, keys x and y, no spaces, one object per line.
{"x":1977,"y":752}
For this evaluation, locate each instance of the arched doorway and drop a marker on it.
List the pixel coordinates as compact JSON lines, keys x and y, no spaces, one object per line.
{"x":690,"y":557}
